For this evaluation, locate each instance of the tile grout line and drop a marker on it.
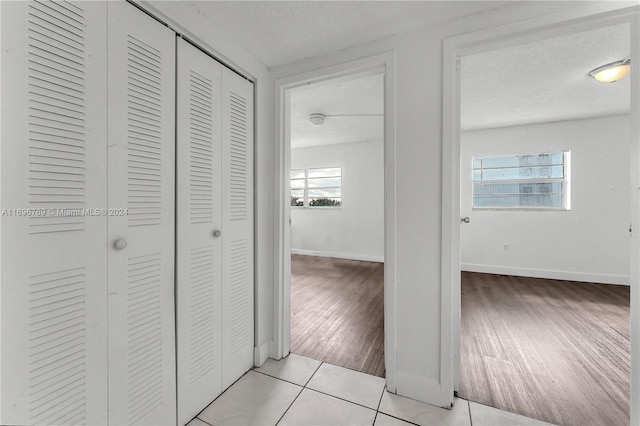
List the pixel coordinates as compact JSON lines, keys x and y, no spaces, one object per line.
{"x":314,"y":373}
{"x":337,"y":397}
{"x":391,"y":415}
{"x":274,"y":377}
{"x":401,"y":419}
{"x":285,"y":380}
{"x":384,"y":388}
{"x":341,"y":399}
{"x":207,"y":423}
{"x":289,"y":407}
{"x":299,"y":393}
{"x":217,"y":397}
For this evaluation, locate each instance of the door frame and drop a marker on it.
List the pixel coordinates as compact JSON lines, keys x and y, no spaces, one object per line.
{"x":593,"y":16}
{"x":378,"y":64}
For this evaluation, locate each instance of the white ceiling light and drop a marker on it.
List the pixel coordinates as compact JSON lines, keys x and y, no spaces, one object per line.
{"x":316,"y":118}
{"x":612,"y":72}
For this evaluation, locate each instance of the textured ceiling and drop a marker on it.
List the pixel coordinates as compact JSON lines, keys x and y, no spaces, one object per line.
{"x":281,"y":32}
{"x":544,"y":81}
{"x":537,"y":82}
{"x":358,"y":96}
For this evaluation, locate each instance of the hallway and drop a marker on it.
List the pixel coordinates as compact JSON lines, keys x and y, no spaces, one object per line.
{"x":301,"y":391}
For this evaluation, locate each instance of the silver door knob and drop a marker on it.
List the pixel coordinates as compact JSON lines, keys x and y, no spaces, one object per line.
{"x":120,"y":244}
{"x":216,"y":233}
{"x":464,"y":219}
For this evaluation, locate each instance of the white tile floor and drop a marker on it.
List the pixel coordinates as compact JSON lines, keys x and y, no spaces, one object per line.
{"x":301,"y":391}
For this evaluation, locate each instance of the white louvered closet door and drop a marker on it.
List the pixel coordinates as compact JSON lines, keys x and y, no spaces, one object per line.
{"x":199,"y":329}
{"x":141,"y":153}
{"x":53,"y":274}
{"x":237,"y":226}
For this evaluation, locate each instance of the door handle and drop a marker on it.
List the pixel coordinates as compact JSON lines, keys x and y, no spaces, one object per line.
{"x":120,"y":244}
{"x":216,"y":233}
{"x":464,"y":219}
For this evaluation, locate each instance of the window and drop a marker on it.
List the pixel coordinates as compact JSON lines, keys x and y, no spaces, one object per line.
{"x":316,"y":187}
{"x":522,"y":181}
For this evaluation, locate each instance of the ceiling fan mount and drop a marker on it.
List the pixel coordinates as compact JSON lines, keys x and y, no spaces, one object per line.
{"x":318,"y":118}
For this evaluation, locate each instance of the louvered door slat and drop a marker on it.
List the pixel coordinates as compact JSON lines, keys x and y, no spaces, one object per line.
{"x":198,"y":215}
{"x":141,"y":180}
{"x":54,"y":34}
{"x":53,"y":273}
{"x":237,"y":219}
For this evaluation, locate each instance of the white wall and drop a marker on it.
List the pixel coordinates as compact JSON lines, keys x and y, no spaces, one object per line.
{"x":418,"y":105}
{"x":588,"y":243}
{"x":356,"y":229}
{"x":418,"y":134}
{"x":227,"y":50}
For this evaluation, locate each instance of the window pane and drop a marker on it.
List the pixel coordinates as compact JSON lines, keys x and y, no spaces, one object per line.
{"x":328,"y":172}
{"x":519,"y":160}
{"x":297,"y":197}
{"x":297,"y":183}
{"x":297,"y":174}
{"x":516,"y":173}
{"x":476,"y":162}
{"x":477,"y":175}
{"x":515,"y":201}
{"x":517,"y":188}
{"x":503,"y":161}
{"x":324,"y":192}
{"x":324,"y":182}
{"x":325,"y":202}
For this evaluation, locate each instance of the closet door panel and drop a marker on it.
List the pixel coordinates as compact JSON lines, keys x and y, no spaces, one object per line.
{"x":198,"y":217}
{"x":53,"y":190}
{"x":141,"y":153}
{"x":237,"y":229}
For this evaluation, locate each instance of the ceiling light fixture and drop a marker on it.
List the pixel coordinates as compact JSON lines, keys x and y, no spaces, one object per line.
{"x":612,"y":72}
{"x":316,"y":118}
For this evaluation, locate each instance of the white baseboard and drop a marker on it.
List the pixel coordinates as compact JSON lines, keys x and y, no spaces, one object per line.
{"x":548,"y":274}
{"x":261,"y":353}
{"x":349,"y":256}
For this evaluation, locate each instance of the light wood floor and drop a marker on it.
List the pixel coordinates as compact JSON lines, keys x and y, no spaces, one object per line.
{"x":337,"y":312}
{"x":557,"y":351}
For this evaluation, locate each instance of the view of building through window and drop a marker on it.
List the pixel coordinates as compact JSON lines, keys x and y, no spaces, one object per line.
{"x":529,"y":181}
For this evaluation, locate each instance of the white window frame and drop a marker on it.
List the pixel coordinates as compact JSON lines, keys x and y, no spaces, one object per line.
{"x":566,"y":182}
{"x":306,"y":188}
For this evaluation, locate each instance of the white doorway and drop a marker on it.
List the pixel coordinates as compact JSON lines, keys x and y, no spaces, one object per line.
{"x":378,"y":65}
{"x":337,"y":222}
{"x":459,"y":47}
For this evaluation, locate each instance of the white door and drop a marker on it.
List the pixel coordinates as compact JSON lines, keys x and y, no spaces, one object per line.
{"x":53,"y":274}
{"x":141,"y":153}
{"x":199,"y":315}
{"x":237,"y":226}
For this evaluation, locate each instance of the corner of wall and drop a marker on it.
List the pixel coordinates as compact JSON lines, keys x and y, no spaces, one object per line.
{"x":261,"y":353}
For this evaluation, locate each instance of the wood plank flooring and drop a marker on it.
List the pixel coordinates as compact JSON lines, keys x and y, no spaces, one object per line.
{"x":557,"y":351}
{"x":337,"y":312}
